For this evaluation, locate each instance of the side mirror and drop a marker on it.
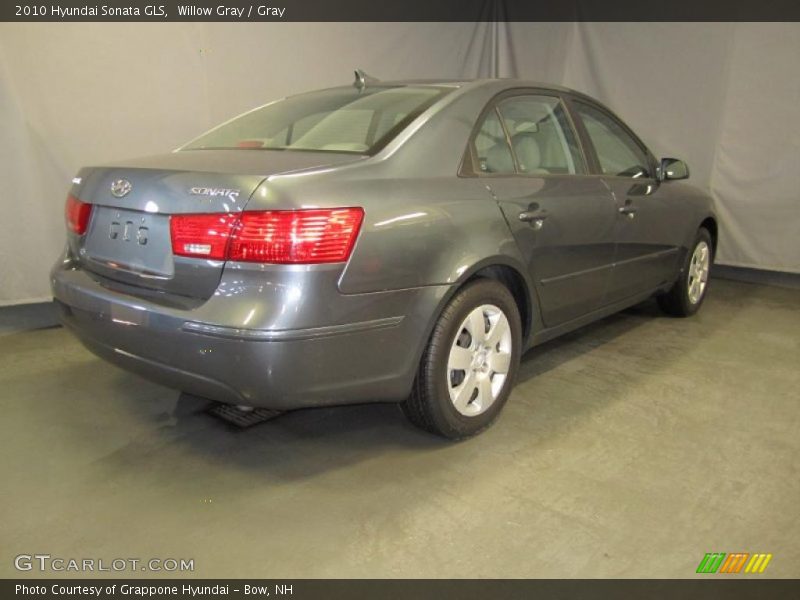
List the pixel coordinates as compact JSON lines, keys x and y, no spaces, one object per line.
{"x":673,"y":168}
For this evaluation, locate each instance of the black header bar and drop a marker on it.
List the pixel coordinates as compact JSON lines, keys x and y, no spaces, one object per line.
{"x":400,"y":10}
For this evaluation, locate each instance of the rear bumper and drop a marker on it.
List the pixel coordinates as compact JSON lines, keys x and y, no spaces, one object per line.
{"x":369,"y":357}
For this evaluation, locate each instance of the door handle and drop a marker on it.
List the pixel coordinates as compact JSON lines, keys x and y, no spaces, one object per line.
{"x":531,"y":215}
{"x":628,"y":211}
{"x":535,"y":218}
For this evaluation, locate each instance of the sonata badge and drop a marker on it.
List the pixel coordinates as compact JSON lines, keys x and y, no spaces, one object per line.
{"x":213,"y":192}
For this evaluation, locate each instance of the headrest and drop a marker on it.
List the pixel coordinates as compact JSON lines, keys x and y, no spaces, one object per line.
{"x":498,"y":159}
{"x":527,"y":150}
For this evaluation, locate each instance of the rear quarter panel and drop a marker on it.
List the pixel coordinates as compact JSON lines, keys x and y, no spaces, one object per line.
{"x":428,"y":232}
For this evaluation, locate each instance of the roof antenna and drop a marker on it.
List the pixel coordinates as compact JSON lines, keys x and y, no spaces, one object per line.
{"x":362,"y":79}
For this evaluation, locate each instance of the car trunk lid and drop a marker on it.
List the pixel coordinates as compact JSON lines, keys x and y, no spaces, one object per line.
{"x":128,"y":238}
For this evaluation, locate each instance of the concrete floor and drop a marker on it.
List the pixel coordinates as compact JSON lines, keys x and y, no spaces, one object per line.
{"x":628,"y":449}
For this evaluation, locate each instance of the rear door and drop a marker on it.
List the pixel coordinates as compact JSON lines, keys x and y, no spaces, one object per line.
{"x":562,"y":217}
{"x":647,"y":246}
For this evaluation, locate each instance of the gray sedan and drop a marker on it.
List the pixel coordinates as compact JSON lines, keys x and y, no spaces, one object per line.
{"x":381,"y":242}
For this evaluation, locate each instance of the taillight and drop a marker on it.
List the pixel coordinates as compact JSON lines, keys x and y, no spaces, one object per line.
{"x":77,"y":214}
{"x":296,"y":236}
{"x":280,"y":236}
{"x":201,"y":236}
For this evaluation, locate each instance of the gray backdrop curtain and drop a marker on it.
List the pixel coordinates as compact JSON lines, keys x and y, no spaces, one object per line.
{"x":725,"y":97}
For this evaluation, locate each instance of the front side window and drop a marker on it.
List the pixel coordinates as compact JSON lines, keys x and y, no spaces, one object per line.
{"x":335,"y":120}
{"x":618,"y":152}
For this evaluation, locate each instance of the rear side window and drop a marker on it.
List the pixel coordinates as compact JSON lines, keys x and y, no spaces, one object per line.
{"x":542,"y":141}
{"x":617,"y":151}
{"x":541,"y":136}
{"x":491,"y":147}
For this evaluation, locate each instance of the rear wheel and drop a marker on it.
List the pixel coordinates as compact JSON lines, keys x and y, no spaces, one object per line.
{"x":687,"y":294}
{"x":469,"y":366}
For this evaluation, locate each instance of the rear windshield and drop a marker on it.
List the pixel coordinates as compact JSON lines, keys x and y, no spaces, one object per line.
{"x":335,"y":120}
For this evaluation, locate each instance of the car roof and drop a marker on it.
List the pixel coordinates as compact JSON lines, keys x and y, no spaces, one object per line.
{"x":501,"y":83}
{"x":477,"y":82}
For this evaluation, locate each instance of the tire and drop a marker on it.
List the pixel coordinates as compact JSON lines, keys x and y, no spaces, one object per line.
{"x":431,"y":405}
{"x":684,"y":298}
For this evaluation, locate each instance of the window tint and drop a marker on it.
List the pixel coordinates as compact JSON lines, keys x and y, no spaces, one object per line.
{"x":541,"y":136}
{"x":335,"y":120}
{"x":618,"y":152}
{"x":491,"y":147}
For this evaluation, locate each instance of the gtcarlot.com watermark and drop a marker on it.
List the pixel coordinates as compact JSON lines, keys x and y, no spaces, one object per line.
{"x":45,"y":563}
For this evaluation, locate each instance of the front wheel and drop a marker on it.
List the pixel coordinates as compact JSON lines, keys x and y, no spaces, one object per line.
{"x":470,"y":363}
{"x":687,"y":294}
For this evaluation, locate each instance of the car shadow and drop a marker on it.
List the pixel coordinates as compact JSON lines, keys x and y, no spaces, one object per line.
{"x":551,"y":354}
{"x":300,"y":444}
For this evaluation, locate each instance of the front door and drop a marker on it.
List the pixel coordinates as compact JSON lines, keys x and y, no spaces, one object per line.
{"x":647,"y":251}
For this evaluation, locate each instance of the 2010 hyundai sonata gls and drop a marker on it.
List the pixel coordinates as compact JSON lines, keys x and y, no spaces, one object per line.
{"x":378,"y":243}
